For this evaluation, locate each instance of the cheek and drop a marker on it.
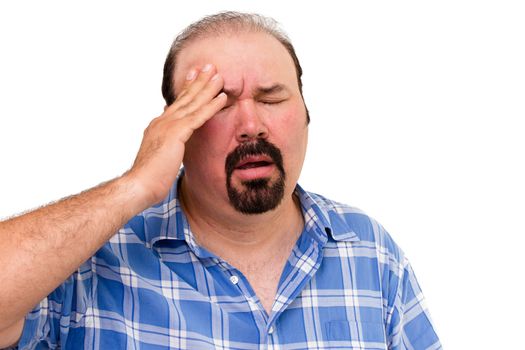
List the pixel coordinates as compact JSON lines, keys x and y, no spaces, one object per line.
{"x":206,"y":151}
{"x":290,"y":127}
{"x":290,"y":134}
{"x":212,"y":137}
{"x":295,"y":113}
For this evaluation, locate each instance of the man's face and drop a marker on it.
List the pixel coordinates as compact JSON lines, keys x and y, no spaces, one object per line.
{"x":250,"y":154}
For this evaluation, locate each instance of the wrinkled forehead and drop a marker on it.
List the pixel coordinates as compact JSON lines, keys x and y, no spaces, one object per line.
{"x":242,"y":60}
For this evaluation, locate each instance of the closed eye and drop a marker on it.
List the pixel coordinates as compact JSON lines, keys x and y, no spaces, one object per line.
{"x":273,"y":102}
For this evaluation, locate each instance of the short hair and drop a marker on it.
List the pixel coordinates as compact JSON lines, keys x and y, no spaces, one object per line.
{"x":220,"y":24}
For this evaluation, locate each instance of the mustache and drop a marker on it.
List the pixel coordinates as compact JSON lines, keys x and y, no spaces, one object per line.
{"x":257,"y":148}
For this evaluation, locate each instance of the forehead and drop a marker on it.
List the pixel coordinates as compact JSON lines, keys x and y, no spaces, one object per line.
{"x":248,"y":58}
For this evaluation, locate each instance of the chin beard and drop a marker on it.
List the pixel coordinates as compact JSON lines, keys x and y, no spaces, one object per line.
{"x":259,"y":195}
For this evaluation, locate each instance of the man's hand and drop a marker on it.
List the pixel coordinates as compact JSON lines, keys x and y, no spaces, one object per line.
{"x":40,"y":249}
{"x":162,"y":148}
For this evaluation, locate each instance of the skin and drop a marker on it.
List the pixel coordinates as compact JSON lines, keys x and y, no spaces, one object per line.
{"x":40,"y":249}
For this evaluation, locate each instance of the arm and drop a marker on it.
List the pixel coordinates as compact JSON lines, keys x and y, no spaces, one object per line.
{"x":39,"y":250}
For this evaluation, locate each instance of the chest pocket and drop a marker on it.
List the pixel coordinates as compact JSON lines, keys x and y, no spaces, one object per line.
{"x":364,"y":335}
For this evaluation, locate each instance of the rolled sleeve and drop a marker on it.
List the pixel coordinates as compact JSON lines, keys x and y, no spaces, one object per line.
{"x":410,"y":325}
{"x":47,"y":325}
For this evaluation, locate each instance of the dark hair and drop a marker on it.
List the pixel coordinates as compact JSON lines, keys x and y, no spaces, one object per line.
{"x":224,"y":23}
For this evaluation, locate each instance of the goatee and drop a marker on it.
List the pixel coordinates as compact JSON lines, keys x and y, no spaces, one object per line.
{"x":259,"y":195}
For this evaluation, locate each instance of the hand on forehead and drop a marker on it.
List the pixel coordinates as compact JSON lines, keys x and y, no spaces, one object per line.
{"x":246,"y":62}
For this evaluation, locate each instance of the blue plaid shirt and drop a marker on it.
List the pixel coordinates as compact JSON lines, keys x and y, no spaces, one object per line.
{"x":346,"y":285}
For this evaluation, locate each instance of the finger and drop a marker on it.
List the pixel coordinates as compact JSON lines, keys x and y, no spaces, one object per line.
{"x":197,"y":118}
{"x":190,"y":77}
{"x":195,"y":84}
{"x":209,"y":91}
{"x":188,"y":105}
{"x":184,"y":97}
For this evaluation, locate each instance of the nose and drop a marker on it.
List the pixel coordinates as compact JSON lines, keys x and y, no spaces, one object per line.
{"x":249,"y":124}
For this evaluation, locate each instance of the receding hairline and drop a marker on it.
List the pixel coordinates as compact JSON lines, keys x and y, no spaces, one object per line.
{"x":226,"y":25}
{"x":222,"y":24}
{"x":191,"y":57}
{"x":229,"y":23}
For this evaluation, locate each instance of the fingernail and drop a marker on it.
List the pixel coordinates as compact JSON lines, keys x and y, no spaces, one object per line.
{"x":215,"y":77}
{"x":191,"y":74}
{"x":206,"y":68}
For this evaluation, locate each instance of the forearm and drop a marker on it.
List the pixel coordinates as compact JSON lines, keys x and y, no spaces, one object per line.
{"x":40,"y":249}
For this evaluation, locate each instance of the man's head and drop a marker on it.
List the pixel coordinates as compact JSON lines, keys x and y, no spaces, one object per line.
{"x":224,"y":23}
{"x":249,"y":154}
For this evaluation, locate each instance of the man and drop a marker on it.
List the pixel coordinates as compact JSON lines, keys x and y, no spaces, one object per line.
{"x":230,"y":253}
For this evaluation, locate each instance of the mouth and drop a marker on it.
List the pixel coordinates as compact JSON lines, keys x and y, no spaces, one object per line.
{"x":254,"y":167}
{"x":254,"y":162}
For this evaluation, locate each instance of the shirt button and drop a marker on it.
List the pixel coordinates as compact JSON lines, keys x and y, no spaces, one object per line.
{"x":270,"y":331}
{"x":234,"y":279}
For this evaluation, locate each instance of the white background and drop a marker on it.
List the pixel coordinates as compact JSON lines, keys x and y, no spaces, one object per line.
{"x":416,"y":110}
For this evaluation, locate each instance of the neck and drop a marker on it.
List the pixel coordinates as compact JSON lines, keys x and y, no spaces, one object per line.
{"x":228,"y":233}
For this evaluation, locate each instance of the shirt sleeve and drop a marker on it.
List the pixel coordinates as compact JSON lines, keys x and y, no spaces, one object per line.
{"x":409,"y":325}
{"x":42,"y":328}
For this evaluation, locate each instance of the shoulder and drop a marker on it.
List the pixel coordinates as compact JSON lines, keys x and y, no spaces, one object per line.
{"x":378,"y":264}
{"x":346,"y":221}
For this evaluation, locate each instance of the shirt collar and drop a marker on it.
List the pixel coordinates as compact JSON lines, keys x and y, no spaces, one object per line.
{"x":323,"y":218}
{"x":167,"y":221}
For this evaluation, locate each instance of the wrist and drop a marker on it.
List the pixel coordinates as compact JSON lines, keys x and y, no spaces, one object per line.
{"x":138,"y":196}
